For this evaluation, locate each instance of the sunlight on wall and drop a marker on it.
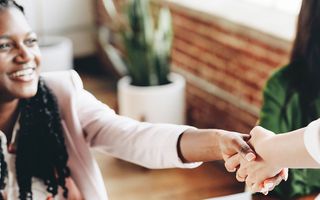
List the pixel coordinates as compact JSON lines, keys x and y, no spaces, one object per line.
{"x":290,"y":6}
{"x":266,"y":16}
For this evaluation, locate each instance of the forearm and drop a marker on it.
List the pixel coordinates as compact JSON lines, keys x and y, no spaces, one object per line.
{"x":200,"y":145}
{"x":287,"y":150}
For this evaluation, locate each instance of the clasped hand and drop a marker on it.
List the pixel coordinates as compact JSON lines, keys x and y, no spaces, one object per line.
{"x":259,"y":174}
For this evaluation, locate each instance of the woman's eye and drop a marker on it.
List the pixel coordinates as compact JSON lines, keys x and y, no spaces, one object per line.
{"x":31,"y":42}
{"x":5,"y":46}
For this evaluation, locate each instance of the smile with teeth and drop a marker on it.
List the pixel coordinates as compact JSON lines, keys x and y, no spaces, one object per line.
{"x":24,"y":75}
{"x":24,"y":72}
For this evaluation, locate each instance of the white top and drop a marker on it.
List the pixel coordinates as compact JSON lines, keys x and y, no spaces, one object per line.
{"x":39,"y":189}
{"x":312,"y":139}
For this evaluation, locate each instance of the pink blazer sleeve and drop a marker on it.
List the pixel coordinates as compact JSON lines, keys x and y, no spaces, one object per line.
{"x":149,"y":145}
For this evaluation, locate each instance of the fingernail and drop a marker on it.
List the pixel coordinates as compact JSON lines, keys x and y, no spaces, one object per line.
{"x":250,"y":157}
{"x":233,"y":170}
{"x":264,"y":190}
{"x":286,"y":176}
{"x":283,"y":176}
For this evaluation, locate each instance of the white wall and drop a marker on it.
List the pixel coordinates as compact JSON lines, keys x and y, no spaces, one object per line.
{"x":70,"y":18}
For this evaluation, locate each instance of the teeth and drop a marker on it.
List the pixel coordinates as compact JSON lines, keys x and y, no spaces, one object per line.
{"x":23,"y":72}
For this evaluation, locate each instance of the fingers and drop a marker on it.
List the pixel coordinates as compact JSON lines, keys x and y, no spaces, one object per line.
{"x":246,"y":137}
{"x":240,"y":178}
{"x":258,"y":187}
{"x":226,"y":156}
{"x":241,"y":175}
{"x":232,"y":163}
{"x":284,"y":174}
{"x":232,"y":143}
{"x":268,"y":184}
{"x":244,"y":149}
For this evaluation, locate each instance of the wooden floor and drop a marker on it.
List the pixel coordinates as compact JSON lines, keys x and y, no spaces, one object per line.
{"x":126,"y":181}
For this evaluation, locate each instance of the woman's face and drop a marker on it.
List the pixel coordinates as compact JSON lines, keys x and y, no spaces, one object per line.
{"x":19,"y":56}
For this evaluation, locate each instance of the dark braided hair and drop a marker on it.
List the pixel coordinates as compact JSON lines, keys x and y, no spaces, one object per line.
{"x":4,"y":170}
{"x":5,"y":4}
{"x":41,"y":151}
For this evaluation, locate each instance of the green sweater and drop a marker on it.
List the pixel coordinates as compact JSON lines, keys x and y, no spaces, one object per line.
{"x":284,"y":110}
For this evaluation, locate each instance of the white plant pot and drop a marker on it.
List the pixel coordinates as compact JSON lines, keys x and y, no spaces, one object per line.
{"x":157,"y":104}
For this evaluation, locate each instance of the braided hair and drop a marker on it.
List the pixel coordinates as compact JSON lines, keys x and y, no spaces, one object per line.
{"x":3,"y":170}
{"x":41,"y":151}
{"x":5,"y":4}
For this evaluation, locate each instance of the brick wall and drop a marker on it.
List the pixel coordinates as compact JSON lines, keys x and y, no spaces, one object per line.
{"x":235,"y":59}
{"x":226,"y":66}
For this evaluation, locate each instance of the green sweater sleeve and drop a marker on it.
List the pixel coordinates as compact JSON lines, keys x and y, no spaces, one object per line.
{"x":271,"y":116}
{"x":281,"y":112}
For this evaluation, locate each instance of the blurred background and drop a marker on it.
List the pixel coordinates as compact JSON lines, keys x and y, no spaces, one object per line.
{"x":225,"y":50}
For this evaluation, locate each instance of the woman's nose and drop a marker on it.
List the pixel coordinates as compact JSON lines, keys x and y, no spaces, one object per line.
{"x":24,"y":54}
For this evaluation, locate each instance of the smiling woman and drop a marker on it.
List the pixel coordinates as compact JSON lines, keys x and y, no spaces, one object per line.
{"x":19,"y":79}
{"x":19,"y":56}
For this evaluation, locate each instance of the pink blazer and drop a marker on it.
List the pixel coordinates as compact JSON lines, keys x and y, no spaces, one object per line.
{"x":89,"y":123}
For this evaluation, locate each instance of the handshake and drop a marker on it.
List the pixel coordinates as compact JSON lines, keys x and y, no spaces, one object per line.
{"x":260,"y":159}
{"x":256,"y":161}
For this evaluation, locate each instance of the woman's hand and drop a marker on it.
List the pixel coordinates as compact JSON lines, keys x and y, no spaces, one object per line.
{"x":260,"y":175}
{"x":213,"y":144}
{"x":232,"y":143}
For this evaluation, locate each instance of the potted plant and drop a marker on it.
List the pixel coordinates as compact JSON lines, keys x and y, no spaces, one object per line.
{"x":149,"y":92}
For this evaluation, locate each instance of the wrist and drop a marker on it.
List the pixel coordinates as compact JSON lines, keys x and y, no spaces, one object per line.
{"x":179,"y":151}
{"x":219,"y":137}
{"x":200,"y":145}
{"x":214,"y":140}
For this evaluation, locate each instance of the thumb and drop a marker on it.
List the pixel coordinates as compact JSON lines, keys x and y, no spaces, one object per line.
{"x":245,"y":151}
